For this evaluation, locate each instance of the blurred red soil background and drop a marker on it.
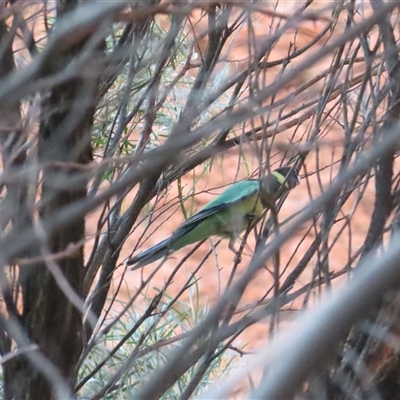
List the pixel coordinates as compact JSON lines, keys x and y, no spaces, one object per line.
{"x":214,"y":274}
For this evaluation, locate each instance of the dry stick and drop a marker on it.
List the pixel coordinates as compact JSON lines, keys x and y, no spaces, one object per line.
{"x":285,"y":298}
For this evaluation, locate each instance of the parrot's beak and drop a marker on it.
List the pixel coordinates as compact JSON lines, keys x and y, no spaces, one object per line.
{"x":293,"y":179}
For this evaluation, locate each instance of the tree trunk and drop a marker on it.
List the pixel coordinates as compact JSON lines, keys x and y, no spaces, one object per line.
{"x":48,"y":317}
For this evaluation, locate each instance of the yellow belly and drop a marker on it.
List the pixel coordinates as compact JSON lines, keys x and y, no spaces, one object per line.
{"x":238,"y":218}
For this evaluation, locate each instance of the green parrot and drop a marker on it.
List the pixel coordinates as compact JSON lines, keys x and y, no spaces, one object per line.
{"x":227,"y":215}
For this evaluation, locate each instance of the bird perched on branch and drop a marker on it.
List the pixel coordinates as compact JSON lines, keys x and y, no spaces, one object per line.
{"x":227,"y":215}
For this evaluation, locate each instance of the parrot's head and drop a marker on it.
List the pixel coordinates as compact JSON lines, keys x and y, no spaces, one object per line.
{"x":287,"y":176}
{"x":278,"y":182}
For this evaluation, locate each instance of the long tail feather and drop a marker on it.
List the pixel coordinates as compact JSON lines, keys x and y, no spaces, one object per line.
{"x":148,"y":256}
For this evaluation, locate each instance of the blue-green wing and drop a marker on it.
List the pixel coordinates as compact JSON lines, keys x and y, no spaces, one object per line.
{"x":235,"y":193}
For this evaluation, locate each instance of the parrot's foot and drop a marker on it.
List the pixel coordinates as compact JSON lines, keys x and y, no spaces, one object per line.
{"x":238,"y":256}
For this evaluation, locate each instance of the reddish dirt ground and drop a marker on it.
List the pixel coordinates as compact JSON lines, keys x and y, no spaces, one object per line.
{"x":213,"y":276}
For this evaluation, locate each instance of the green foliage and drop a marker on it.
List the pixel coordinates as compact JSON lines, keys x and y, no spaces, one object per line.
{"x":146,"y":350}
